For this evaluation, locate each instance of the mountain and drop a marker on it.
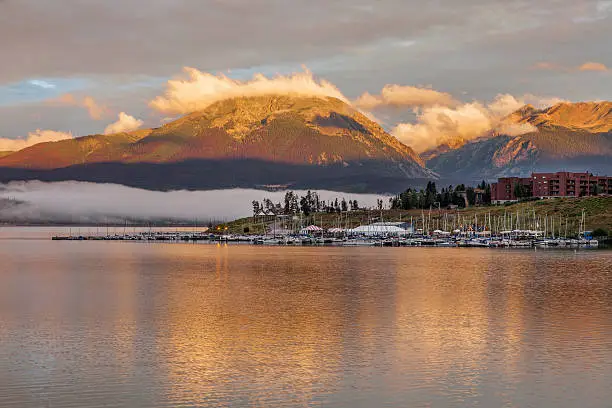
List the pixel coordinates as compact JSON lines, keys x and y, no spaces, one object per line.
{"x":298,"y":142}
{"x":593,"y":117}
{"x":566,"y":136}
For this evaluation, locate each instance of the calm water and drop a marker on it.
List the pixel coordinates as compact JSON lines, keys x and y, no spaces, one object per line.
{"x":86,"y":324}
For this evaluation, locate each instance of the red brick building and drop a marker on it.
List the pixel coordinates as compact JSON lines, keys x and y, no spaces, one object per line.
{"x":546,"y":185}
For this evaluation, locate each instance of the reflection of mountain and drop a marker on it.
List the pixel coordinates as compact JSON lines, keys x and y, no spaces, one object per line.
{"x":244,"y":142}
{"x":572,"y":137}
{"x":242,"y":319}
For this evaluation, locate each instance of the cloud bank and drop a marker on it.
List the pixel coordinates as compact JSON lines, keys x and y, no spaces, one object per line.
{"x":39,"y":136}
{"x":455,"y":126}
{"x":126,"y":123}
{"x":100,"y":203}
{"x":199,"y":90}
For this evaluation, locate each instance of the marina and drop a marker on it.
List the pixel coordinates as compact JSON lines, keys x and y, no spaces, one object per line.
{"x":507,"y":231}
{"x":509,"y":239}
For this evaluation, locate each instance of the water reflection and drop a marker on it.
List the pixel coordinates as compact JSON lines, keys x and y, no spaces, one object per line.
{"x":139,"y":324}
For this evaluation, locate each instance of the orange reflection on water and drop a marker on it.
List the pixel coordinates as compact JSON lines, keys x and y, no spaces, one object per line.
{"x":197,"y":324}
{"x":233,"y":322}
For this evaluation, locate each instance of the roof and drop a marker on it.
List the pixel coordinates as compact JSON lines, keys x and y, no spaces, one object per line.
{"x":378,"y":229}
{"x":311,"y":228}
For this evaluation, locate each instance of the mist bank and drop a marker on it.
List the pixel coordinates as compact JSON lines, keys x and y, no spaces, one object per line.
{"x":73,"y":202}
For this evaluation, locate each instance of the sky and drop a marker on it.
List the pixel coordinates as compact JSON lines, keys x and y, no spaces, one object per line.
{"x":83,"y":67}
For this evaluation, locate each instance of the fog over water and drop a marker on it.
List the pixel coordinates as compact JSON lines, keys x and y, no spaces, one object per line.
{"x":82,"y":202}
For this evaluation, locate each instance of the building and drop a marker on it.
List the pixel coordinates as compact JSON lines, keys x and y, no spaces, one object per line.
{"x":549,"y":185}
{"x":506,"y":188}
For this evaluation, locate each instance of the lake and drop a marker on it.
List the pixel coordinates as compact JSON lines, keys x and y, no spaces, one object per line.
{"x":89,"y":324}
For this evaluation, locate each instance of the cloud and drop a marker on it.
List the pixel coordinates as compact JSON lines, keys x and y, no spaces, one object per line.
{"x":586,"y":67}
{"x":455,"y":126}
{"x":42,"y":84}
{"x":126,"y":123}
{"x":65,"y":99}
{"x":39,"y":136}
{"x":439,"y":125}
{"x":540,"y":102}
{"x":593,"y":66}
{"x":515,"y":129}
{"x":71,"y":201}
{"x":95,"y":110}
{"x":398,"y":96}
{"x":547,"y":66}
{"x":452,"y":46}
{"x":183,"y":33}
{"x":199,"y":89}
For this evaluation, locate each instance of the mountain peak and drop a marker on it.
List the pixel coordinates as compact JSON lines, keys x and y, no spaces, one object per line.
{"x":324,"y":135}
{"x":243,"y":115}
{"x":593,"y":117}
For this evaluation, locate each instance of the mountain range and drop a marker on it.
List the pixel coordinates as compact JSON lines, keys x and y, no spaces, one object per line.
{"x":566,"y":136}
{"x":271,"y":141}
{"x":318,"y":143}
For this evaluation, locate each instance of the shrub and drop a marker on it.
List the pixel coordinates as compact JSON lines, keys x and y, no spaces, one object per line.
{"x":600,"y":232}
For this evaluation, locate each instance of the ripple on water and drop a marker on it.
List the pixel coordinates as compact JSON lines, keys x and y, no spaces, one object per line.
{"x":139,"y":325}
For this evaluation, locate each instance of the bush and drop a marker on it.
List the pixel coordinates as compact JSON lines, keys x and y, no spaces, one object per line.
{"x":600,"y":232}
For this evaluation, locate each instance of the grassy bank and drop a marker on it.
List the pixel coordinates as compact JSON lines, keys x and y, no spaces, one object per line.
{"x":598,"y":215}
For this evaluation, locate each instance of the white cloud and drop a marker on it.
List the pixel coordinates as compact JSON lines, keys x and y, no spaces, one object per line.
{"x":399,"y":95}
{"x":439,"y":125}
{"x":456,"y":126}
{"x":39,"y":136}
{"x":126,"y":123}
{"x":41,"y":84}
{"x":199,"y":89}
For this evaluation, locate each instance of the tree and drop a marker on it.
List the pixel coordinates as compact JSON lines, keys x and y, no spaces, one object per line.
{"x":288,"y":198}
{"x":305,"y":206}
{"x":295,"y":206}
{"x":268,"y":205}
{"x":256,"y":208}
{"x":471,"y":195}
{"x":344,"y":205}
{"x":596,"y":189}
{"x":487,"y":194}
{"x":519,"y":191}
